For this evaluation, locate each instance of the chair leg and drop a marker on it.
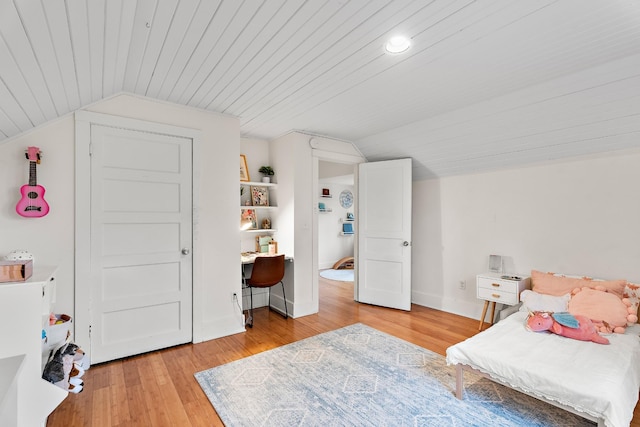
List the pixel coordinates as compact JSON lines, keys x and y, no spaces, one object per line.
{"x":249,"y":321}
{"x":284,"y":298}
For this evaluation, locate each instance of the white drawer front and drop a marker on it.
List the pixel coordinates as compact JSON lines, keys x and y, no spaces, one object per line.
{"x":498,"y":284}
{"x":499,"y":296}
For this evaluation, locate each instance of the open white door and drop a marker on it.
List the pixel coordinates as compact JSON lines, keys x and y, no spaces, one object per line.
{"x":384,"y":234}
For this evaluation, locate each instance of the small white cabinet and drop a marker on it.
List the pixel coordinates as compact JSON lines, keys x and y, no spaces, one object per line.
{"x":25,"y":398}
{"x":499,"y":288}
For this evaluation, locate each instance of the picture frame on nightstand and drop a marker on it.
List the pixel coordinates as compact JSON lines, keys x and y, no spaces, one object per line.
{"x":495,"y":263}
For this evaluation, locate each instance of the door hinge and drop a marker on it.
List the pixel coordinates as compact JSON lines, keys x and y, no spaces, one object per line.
{"x":90,"y":148}
{"x":89,"y":331}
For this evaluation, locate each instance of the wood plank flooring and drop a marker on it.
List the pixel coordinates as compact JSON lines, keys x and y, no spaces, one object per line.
{"x":159,"y":389}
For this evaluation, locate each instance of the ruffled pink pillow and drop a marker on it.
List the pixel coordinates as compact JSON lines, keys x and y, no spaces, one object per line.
{"x":632,"y":293}
{"x":608,"y":312}
{"x":558,"y":285}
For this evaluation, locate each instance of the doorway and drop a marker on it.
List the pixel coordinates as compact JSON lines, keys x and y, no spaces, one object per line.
{"x":336,"y":218}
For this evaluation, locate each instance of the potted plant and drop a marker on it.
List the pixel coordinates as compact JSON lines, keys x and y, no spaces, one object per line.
{"x":267,"y":172}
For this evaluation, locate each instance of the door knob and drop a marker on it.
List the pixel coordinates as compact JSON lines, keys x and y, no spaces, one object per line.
{"x":405,"y":243}
{"x":185,"y":251}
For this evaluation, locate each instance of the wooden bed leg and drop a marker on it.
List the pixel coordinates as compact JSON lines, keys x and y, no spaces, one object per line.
{"x":459,"y":381}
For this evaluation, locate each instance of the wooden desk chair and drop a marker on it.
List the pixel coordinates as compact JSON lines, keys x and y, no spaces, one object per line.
{"x":267,"y":271}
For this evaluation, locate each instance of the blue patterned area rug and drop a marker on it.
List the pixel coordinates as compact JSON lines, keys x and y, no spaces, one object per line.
{"x":359,"y":376}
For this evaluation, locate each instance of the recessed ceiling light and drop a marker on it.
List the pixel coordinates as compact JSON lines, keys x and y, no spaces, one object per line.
{"x":397,"y":44}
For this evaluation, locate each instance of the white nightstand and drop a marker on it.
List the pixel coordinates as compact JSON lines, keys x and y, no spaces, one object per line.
{"x":499,"y":288}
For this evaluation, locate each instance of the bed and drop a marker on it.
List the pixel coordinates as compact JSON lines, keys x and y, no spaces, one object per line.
{"x":598,"y":382}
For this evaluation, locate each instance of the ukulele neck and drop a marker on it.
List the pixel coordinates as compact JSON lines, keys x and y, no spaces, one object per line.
{"x":32,"y":174}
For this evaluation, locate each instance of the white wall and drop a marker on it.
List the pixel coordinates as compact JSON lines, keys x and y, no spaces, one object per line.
{"x":332,"y":246}
{"x":291,"y":158}
{"x":51,"y":238}
{"x":574,"y":217}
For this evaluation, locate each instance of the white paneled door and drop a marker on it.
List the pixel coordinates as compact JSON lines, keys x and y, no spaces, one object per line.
{"x":384,"y":234}
{"x":141,"y":239}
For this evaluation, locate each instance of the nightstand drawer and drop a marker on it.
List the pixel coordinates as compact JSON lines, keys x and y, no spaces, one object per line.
{"x":497,"y":284}
{"x":499,"y":296}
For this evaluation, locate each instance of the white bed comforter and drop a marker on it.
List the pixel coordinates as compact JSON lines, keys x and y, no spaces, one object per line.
{"x":600,"y":380}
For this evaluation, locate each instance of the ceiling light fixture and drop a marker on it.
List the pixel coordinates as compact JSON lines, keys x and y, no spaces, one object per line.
{"x":397,"y":44}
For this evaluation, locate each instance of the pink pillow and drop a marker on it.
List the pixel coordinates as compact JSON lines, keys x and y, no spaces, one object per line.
{"x":608,"y":312}
{"x":556,"y":284}
{"x":632,"y":293}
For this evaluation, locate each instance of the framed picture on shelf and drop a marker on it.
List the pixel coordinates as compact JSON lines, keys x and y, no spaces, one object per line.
{"x":244,"y":170}
{"x":248,"y":220}
{"x":259,"y":196}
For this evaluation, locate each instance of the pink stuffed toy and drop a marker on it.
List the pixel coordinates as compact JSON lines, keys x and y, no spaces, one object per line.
{"x":564,"y":324}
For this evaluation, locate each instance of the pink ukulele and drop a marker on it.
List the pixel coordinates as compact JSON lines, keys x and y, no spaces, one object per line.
{"x":32,"y":203}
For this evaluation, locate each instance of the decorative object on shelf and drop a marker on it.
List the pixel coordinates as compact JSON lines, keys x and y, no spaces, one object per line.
{"x":326,"y":193}
{"x":350,"y":216}
{"x":259,"y":196}
{"x":248,"y":220}
{"x":346,"y":199}
{"x":15,"y":271}
{"x":244,"y":170}
{"x":32,"y":203}
{"x":262,"y":244}
{"x":321,"y":206}
{"x":267,"y":172}
{"x":266,"y":224}
{"x":19,"y":255}
{"x":347,"y":228}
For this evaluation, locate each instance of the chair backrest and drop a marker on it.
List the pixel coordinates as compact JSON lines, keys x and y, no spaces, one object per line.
{"x":267,"y":271}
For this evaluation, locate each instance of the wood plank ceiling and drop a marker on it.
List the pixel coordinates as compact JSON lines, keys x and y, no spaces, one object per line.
{"x":486,"y":84}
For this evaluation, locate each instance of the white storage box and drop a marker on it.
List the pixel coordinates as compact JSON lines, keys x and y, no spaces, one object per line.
{"x":58,"y":333}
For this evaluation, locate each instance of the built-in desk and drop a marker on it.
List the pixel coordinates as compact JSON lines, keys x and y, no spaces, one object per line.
{"x":260,"y":296}
{"x":250,"y":257}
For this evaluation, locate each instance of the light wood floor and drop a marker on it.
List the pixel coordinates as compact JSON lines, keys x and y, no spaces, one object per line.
{"x":159,"y":389}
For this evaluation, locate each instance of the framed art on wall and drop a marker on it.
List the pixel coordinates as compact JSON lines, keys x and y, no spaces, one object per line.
{"x":248,"y":219}
{"x":244,"y":170}
{"x":259,"y":196}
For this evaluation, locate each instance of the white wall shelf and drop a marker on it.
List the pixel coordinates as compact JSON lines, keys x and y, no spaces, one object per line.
{"x":258,"y":184}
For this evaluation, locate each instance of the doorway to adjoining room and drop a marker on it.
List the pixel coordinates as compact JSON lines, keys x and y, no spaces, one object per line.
{"x":336,"y":221}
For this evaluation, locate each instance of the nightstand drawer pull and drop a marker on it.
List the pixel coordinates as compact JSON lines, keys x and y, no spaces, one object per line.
{"x":496,"y":285}
{"x":495,"y":295}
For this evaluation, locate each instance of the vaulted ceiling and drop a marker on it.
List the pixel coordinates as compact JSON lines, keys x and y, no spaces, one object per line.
{"x":486,"y":84}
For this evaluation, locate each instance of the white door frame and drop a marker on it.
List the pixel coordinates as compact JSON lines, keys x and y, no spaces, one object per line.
{"x":334,"y":157}
{"x":83,"y":122}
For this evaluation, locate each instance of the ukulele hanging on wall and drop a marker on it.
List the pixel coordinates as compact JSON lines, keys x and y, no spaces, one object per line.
{"x":32,"y":203}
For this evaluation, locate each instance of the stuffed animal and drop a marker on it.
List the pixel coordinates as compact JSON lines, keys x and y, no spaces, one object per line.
{"x":565,"y":324}
{"x":61,"y":369}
